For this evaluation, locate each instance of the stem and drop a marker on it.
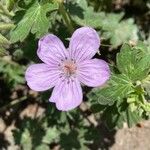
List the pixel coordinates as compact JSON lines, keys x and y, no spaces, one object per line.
{"x":66,"y":17}
{"x":5,"y":11}
{"x":106,"y":45}
{"x":7,"y":26}
{"x":14,"y":102}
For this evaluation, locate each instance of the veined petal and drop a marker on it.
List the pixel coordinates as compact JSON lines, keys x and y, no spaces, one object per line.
{"x":84,"y":43}
{"x":66,"y":95}
{"x":51,"y":50}
{"x":94,"y":72}
{"x":41,"y":77}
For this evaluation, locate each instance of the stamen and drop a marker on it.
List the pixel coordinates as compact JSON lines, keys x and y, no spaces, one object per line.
{"x":69,"y":67}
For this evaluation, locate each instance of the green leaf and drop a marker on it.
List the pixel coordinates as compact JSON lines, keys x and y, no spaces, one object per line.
{"x":119,"y":31}
{"x":112,"y":117}
{"x":125,"y":60}
{"x":26,"y":140}
{"x":122,"y":85}
{"x":34,"y":21}
{"x":120,"y":112}
{"x":70,"y":140}
{"x":23,"y":139}
{"x":3,"y":40}
{"x":133,"y":62}
{"x":2,"y":51}
{"x":119,"y":87}
{"x":132,"y":117}
{"x":146,"y":85}
{"x":95,"y":108}
{"x":85,"y":18}
{"x":143,"y":48}
{"x":111,"y":24}
{"x":142,"y":68}
{"x":51,"y":134}
{"x":42,"y":147}
{"x":12,"y":72}
{"x":102,"y":96}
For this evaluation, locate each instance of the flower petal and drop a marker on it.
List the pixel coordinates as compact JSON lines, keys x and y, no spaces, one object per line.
{"x":66,"y":95}
{"x":51,"y":50}
{"x":41,"y":77}
{"x":84,"y":44}
{"x":94,"y":72}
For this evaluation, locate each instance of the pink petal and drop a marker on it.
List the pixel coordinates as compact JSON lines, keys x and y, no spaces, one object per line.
{"x":84,"y":43}
{"x":41,"y":77}
{"x":94,"y":72}
{"x":66,"y":95}
{"x":51,"y":50}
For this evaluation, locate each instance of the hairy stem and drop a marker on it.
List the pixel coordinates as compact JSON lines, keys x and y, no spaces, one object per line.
{"x":66,"y":17}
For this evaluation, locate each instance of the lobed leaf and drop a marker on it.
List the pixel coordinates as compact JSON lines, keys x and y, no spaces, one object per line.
{"x":133,"y":62}
{"x":112,"y":26}
{"x":34,"y":21}
{"x":119,"y":87}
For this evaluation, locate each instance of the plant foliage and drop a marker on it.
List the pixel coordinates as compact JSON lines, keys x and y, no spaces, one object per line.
{"x":125,"y":45}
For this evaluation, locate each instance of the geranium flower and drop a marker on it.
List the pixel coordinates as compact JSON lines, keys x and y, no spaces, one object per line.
{"x":67,"y":69}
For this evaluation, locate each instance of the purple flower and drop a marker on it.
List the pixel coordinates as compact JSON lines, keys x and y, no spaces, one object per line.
{"x":66,"y":69}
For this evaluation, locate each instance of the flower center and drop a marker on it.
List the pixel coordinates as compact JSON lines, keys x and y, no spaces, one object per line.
{"x":69,"y":67}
